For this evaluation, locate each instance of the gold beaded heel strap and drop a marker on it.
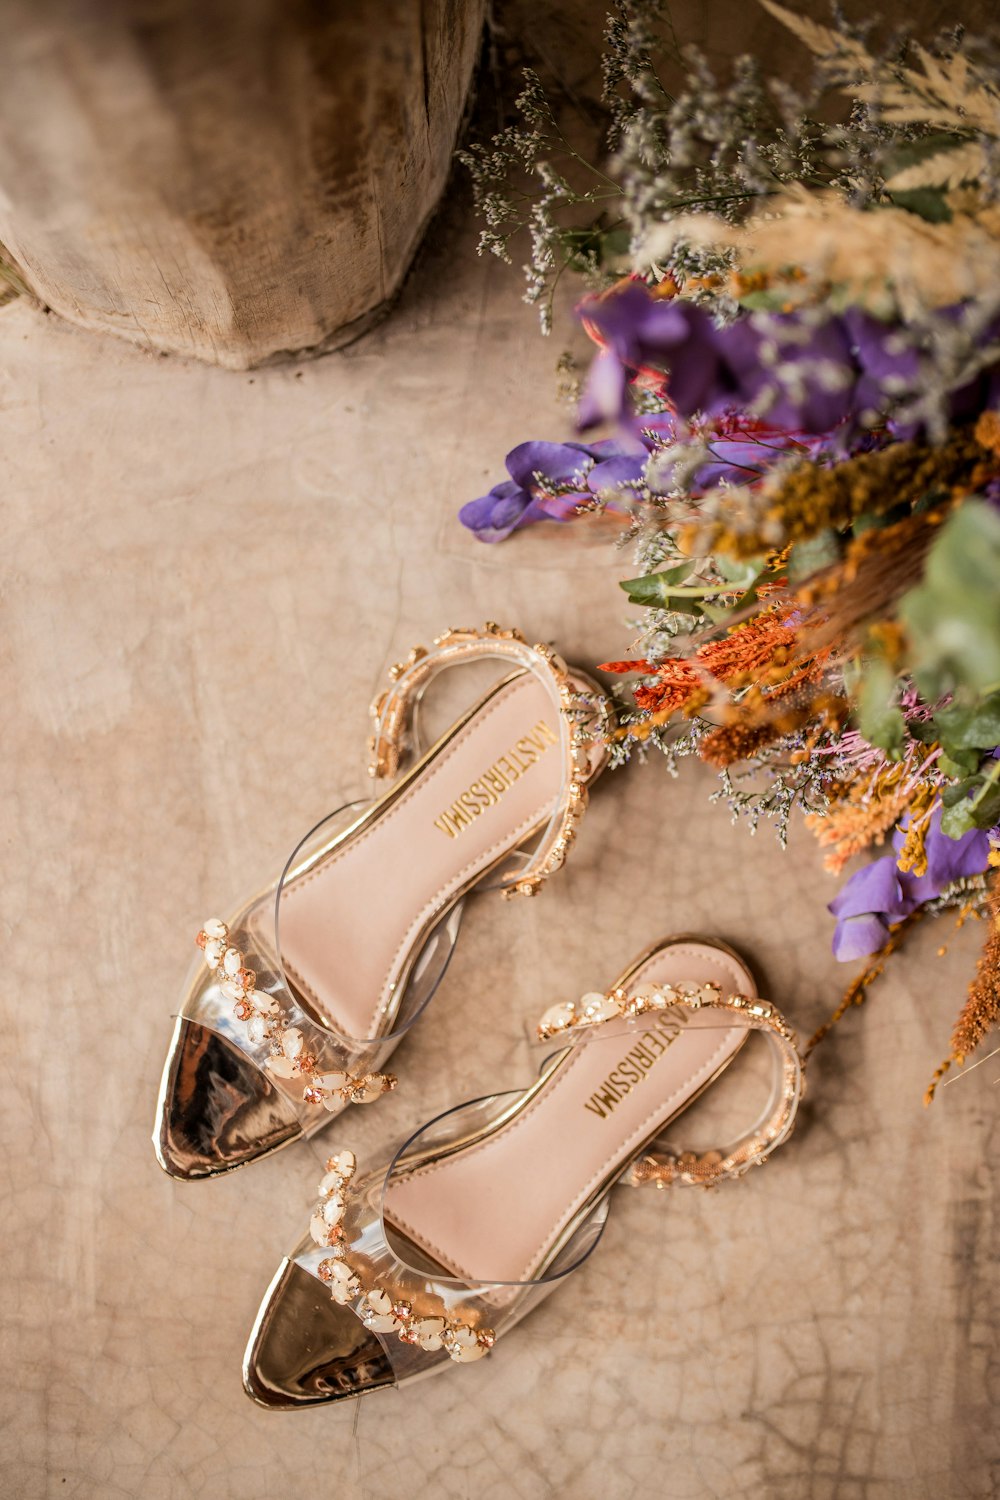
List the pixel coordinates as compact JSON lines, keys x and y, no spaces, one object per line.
{"x":572,"y":1019}
{"x":584,"y":722}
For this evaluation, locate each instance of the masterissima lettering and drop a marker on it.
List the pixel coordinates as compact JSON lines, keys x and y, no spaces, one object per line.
{"x":491,"y":784}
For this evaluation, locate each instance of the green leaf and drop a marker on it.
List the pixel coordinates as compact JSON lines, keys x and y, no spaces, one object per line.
{"x":952,"y":618}
{"x":966,"y":553}
{"x":869,"y":522}
{"x":615,"y":243}
{"x":970,"y":727}
{"x":927,"y":203}
{"x":923,"y":730}
{"x":852,"y":673}
{"x":957,"y":820}
{"x":816,"y":552}
{"x":739,"y":571}
{"x":987,"y":807}
{"x":952,"y":796}
{"x":960,"y":764}
{"x":980,"y":811}
{"x":880,"y":718}
{"x":653,"y":589}
{"x":765,"y":300}
{"x":664,"y":591}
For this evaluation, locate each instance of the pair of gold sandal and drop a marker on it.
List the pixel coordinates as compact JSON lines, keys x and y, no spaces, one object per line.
{"x":295,"y":1003}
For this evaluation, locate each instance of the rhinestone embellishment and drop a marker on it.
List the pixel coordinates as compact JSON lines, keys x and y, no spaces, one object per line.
{"x":266,"y":1022}
{"x":594,"y":1008}
{"x":379,"y":1309}
{"x":391,"y":709}
{"x":687,"y":1167}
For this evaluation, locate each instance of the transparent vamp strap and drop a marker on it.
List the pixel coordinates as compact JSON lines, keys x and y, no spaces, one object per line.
{"x":584,"y":718}
{"x":317,"y":1067}
{"x":579,"y":1022}
{"x":237,"y":988}
{"x":422,"y":1317}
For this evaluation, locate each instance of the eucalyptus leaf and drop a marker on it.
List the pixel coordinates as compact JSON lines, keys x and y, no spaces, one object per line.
{"x":922,"y":730}
{"x":680,"y":604}
{"x":880,"y":718}
{"x":614,"y":243}
{"x":653,"y":589}
{"x":960,"y":764}
{"x":973,"y":727}
{"x":816,"y":552}
{"x":957,"y":820}
{"x":952,"y":796}
{"x":765,"y":300}
{"x":987,"y":807}
{"x":852,"y":671}
{"x":952,"y":618}
{"x":739,"y":571}
{"x":966,"y":553}
{"x":928,"y":203}
{"x":979,"y":811}
{"x":869,"y":522}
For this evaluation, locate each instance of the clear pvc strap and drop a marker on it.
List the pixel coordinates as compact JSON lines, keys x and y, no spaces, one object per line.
{"x":422,"y":1316}
{"x":667,"y":1165}
{"x":585,"y":1022}
{"x":394,"y":713}
{"x":423,"y":977}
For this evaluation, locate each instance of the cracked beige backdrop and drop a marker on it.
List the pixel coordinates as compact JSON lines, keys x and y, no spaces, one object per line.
{"x":204,"y":577}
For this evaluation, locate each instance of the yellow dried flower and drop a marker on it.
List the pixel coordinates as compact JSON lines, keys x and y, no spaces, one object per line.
{"x":796,"y":504}
{"x":913,"y":855}
{"x":981,"y":1012}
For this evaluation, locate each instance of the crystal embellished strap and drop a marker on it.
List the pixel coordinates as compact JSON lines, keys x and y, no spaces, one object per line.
{"x":778,"y":1117}
{"x":392,"y":713}
{"x":266,"y":1022}
{"x":378,"y":1305}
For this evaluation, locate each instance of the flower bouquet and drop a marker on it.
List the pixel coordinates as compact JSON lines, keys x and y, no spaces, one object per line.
{"x":797,"y":323}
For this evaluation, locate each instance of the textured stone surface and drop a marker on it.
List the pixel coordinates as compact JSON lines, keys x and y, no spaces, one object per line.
{"x":205,"y":575}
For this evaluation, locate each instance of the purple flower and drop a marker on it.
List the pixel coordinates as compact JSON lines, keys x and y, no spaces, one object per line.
{"x":743,"y":455}
{"x":948,"y":859}
{"x":813,"y":387}
{"x":713,"y":370}
{"x":549,"y":482}
{"x":871,"y":900}
{"x":881,"y":894}
{"x":882,"y":356}
{"x":798,"y":371}
{"x":742,"y":449}
{"x":641,"y":333}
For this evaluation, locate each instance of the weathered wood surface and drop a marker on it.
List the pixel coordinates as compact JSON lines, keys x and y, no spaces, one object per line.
{"x":235,"y":181}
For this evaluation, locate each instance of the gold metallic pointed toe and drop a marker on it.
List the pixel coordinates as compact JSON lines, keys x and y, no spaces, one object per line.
{"x":306,"y":1350}
{"x":295,"y":1000}
{"x":217,"y":1110}
{"x":443,"y":1246}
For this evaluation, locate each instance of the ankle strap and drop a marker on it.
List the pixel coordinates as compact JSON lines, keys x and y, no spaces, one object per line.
{"x":774,"y":1125}
{"x":393,"y":712}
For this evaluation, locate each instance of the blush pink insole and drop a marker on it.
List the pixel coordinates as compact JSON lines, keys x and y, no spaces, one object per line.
{"x":349,"y":925}
{"x":494,"y":1210}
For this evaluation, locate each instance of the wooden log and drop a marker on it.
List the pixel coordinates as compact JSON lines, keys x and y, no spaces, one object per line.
{"x":236,"y":180}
